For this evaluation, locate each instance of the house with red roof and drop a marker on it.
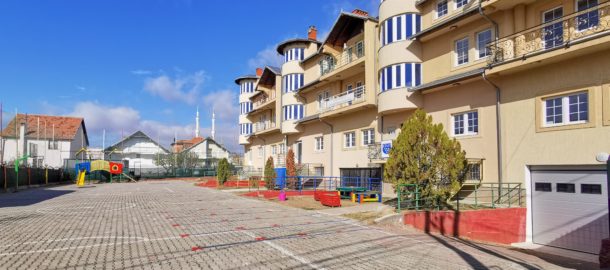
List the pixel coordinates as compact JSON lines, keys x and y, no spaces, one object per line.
{"x":47,"y":140}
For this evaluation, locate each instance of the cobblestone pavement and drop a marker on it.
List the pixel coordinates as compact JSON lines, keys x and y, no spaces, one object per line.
{"x":174,"y":225}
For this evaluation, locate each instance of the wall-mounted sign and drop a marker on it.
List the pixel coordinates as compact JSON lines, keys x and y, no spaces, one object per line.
{"x":386,"y":146}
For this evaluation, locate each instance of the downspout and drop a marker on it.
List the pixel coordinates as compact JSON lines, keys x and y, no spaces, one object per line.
{"x":498,"y":121}
{"x":498,"y":131}
{"x":332,"y":132}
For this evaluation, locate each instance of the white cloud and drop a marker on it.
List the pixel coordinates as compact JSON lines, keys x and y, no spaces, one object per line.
{"x":122,"y":121}
{"x":266,"y":57}
{"x":141,"y":72}
{"x":81,"y":88}
{"x":182,"y":88}
{"x":225,"y":103}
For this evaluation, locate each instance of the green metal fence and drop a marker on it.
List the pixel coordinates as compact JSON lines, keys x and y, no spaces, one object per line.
{"x":481,"y":195}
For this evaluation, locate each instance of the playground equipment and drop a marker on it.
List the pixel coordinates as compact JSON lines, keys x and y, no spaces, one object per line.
{"x":84,"y":168}
{"x":366,"y":196}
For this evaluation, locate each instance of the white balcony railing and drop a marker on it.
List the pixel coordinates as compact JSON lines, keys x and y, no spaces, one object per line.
{"x":258,"y":102}
{"x":262,"y":126}
{"x":345,"y":99}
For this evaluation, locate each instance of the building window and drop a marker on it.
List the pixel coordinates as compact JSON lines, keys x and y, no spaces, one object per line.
{"x":245,"y":129}
{"x":475,"y":170}
{"x":553,"y":33}
{"x":319,"y":143}
{"x":461,"y":51}
{"x":293,"y":112}
{"x":368,"y":136}
{"x":327,"y":64}
{"x":466,"y":123}
{"x":590,"y":189}
{"x":294,"y":54}
{"x":483,"y":40}
{"x":544,"y":187}
{"x":274,"y":149}
{"x":247,"y":87}
{"x":566,"y":188}
{"x":460,"y":3}
{"x":569,"y":109}
{"x":53,"y":145}
{"x":399,"y":28}
{"x":245,"y":107}
{"x":282,"y":148}
{"x":360,"y":49}
{"x":292,"y":82}
{"x":400,"y":75}
{"x":260,"y":151}
{"x":589,"y":19}
{"x":441,"y":8}
{"x":350,"y":139}
{"x":33,"y":150}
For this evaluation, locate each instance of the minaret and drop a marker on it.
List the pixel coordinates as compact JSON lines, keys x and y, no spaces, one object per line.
{"x":197,"y":124}
{"x":213,"y":124}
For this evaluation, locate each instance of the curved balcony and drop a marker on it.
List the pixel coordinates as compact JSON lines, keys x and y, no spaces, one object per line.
{"x":397,"y":100}
{"x":389,"y":8}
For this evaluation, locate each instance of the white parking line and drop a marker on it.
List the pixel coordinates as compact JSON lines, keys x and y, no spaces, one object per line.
{"x":286,"y":252}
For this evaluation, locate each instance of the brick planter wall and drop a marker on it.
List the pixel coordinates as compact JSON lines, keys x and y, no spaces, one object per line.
{"x":504,"y":226}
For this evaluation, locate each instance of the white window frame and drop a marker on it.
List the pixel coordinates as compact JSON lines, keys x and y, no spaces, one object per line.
{"x":457,"y":53}
{"x":319,"y":144}
{"x":368,"y":136}
{"x":436,"y":9}
{"x":478,"y":48}
{"x":466,"y":125}
{"x":274,"y":149}
{"x":349,"y":139}
{"x":565,"y":110}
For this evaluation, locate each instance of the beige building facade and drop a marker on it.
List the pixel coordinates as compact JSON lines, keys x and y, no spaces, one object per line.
{"x":523,"y":85}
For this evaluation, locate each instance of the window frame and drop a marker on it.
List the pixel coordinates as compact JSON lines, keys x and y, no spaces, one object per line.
{"x":577,"y":27}
{"x":436,"y":9}
{"x":565,"y":110}
{"x":478,"y":48}
{"x":319,"y":143}
{"x":466,"y":125}
{"x":457,"y":52}
{"x":368,"y":136}
{"x":351,"y":139}
{"x":456,"y":2}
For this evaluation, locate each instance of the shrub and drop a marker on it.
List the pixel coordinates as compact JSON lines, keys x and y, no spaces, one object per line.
{"x":291,"y":170}
{"x":423,"y":154}
{"x":269,"y":173}
{"x":223,"y":171}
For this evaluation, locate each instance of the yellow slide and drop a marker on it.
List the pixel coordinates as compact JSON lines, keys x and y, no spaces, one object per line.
{"x":80,"y":180}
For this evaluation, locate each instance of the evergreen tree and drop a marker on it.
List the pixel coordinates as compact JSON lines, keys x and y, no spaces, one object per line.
{"x":423,"y":154}
{"x":291,"y":170}
{"x":223,"y":171}
{"x":269,"y":174}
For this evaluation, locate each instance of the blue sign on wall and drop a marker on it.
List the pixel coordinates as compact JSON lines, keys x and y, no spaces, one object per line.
{"x":386,"y":146}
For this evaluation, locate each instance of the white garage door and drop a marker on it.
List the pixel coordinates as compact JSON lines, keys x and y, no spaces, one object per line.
{"x":570,"y":209}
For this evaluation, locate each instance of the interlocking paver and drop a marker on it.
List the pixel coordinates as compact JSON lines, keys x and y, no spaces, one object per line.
{"x":174,"y":225}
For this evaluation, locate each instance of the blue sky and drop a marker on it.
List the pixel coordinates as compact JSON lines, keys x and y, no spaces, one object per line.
{"x":146,"y":64}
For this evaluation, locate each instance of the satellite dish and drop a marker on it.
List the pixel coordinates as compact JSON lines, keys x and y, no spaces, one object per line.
{"x":602,"y":157}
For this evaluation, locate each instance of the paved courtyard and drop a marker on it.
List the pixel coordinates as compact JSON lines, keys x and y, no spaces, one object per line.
{"x":174,"y":225}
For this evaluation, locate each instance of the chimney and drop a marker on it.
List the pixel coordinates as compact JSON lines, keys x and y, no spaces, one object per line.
{"x":312,"y":33}
{"x":259,"y":72}
{"x":360,"y":12}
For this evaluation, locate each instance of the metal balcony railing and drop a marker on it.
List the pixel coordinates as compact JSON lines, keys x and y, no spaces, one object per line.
{"x":262,"y":126}
{"x":577,"y":27}
{"x":345,"y":99}
{"x":349,"y":55}
{"x":374,"y":151}
{"x":263,"y":99}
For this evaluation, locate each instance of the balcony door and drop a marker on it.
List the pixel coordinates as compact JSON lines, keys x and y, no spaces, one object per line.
{"x":552,"y":33}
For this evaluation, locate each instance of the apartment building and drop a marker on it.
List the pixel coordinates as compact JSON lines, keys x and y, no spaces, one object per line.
{"x":523,"y":85}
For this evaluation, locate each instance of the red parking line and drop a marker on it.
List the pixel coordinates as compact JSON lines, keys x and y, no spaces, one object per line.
{"x":196,"y":248}
{"x":260,"y":238}
{"x":184,"y":235}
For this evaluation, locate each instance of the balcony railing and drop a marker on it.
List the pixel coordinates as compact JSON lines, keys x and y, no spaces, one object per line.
{"x":563,"y":32}
{"x":263,"y":99}
{"x":262,"y":126}
{"x":345,"y":99}
{"x":349,"y":55}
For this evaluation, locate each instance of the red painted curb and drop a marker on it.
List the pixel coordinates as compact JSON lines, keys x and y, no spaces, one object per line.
{"x":197,"y":248}
{"x":184,"y":235}
{"x":260,"y":238}
{"x":175,"y":225}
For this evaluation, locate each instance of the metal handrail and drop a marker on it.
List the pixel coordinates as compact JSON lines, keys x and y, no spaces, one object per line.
{"x":262,"y":126}
{"x":532,"y":41}
{"x":347,"y":98}
{"x":334,"y":62}
{"x":264,"y":99}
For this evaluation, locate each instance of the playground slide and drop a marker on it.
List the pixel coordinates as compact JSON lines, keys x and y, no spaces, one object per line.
{"x":80,"y":180}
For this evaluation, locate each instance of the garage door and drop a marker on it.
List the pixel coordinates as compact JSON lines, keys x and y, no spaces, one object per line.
{"x":570,"y":209}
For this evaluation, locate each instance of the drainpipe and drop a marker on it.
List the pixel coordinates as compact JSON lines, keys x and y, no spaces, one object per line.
{"x":498,"y":131}
{"x":495,"y":24}
{"x":332,"y":131}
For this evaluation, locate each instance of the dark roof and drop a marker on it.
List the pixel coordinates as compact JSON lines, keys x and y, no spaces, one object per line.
{"x":449,"y":80}
{"x":58,"y":127}
{"x":269,"y":74}
{"x":245,"y":77}
{"x":275,"y":70}
{"x":137,"y":134}
{"x":345,"y":27}
{"x":282,"y":45}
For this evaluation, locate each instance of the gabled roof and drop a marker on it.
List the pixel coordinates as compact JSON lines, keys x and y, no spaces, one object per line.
{"x":57,"y":127}
{"x":269,"y":74}
{"x":207,"y":139}
{"x":137,"y":134}
{"x":346,"y":21}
